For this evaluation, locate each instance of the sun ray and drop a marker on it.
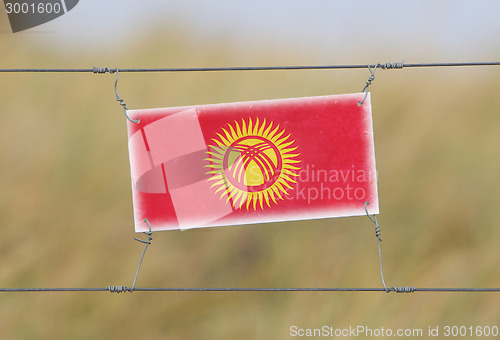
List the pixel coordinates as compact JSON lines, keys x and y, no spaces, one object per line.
{"x":249,"y":131}
{"x":256,"y":127}
{"x":224,"y":141}
{"x":261,"y":199}
{"x":238,"y":130}
{"x":284,"y":145}
{"x":221,"y":182}
{"x":244,"y":131}
{"x":233,"y":133}
{"x":286,"y":151}
{"x":266,"y":197}
{"x":282,"y":140}
{"x":280,"y":184}
{"x":290,"y":173}
{"x":217,"y":141}
{"x":237,"y":197}
{"x":217,"y":149}
{"x":271,"y":194}
{"x":225,"y":193}
{"x":223,"y":188}
{"x":259,"y":133}
{"x":288,"y":178}
{"x":271,"y":134}
{"x":228,"y":136}
{"x":266,"y":132}
{"x":275,"y":138}
{"x":277,"y":192}
{"x":249,"y":200}
{"x":214,"y":154}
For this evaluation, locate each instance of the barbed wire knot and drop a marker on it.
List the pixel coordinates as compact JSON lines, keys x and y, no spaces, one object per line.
{"x":392,"y":66}
{"x":104,"y":70}
{"x":404,"y":289}
{"x":118,"y":289}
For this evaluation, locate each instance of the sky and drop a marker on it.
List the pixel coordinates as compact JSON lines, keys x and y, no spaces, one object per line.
{"x":455,"y":30}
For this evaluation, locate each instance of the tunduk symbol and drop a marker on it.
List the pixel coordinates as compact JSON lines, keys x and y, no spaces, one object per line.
{"x":253,"y":163}
{"x":26,"y":14}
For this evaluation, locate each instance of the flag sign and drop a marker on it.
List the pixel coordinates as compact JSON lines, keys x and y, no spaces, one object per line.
{"x":252,"y":162}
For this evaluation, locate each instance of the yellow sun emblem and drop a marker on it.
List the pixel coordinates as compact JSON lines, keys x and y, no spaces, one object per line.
{"x":253,"y":163}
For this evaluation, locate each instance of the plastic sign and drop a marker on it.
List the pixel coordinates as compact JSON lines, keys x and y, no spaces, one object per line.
{"x":252,"y":162}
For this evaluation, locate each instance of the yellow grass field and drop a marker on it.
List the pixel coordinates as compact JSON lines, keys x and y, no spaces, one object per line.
{"x":66,"y":210}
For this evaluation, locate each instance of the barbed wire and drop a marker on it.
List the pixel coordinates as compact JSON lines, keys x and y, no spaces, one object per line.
{"x":398,"y":65}
{"x":121,"y":289}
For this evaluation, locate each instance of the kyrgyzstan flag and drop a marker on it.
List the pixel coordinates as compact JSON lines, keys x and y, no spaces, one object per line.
{"x":252,"y":162}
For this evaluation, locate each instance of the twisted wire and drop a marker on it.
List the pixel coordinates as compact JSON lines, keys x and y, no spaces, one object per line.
{"x":249,"y":68}
{"x":147,"y":242}
{"x":368,"y":83}
{"x":118,"y":99}
{"x":104,"y":70}
{"x":404,"y":289}
{"x":392,"y":66}
{"x":120,"y":289}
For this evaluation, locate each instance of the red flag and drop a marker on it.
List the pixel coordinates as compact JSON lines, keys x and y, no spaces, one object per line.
{"x":252,"y":162}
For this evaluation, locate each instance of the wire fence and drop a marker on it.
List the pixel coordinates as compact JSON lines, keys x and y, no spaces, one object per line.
{"x":397,"y":65}
{"x":371,"y":67}
{"x":123,"y":289}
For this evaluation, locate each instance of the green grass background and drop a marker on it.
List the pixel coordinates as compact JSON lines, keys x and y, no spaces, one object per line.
{"x":66,"y":211}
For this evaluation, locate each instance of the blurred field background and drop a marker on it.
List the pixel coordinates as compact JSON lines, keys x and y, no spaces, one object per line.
{"x":66,"y":211}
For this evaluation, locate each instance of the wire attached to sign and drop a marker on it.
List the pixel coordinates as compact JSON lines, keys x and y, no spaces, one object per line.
{"x":118,"y":98}
{"x":385,"y":66}
{"x":123,"y":289}
{"x":368,"y":83}
{"x":371,"y":78}
{"x":377,"y":235}
{"x":147,"y":242}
